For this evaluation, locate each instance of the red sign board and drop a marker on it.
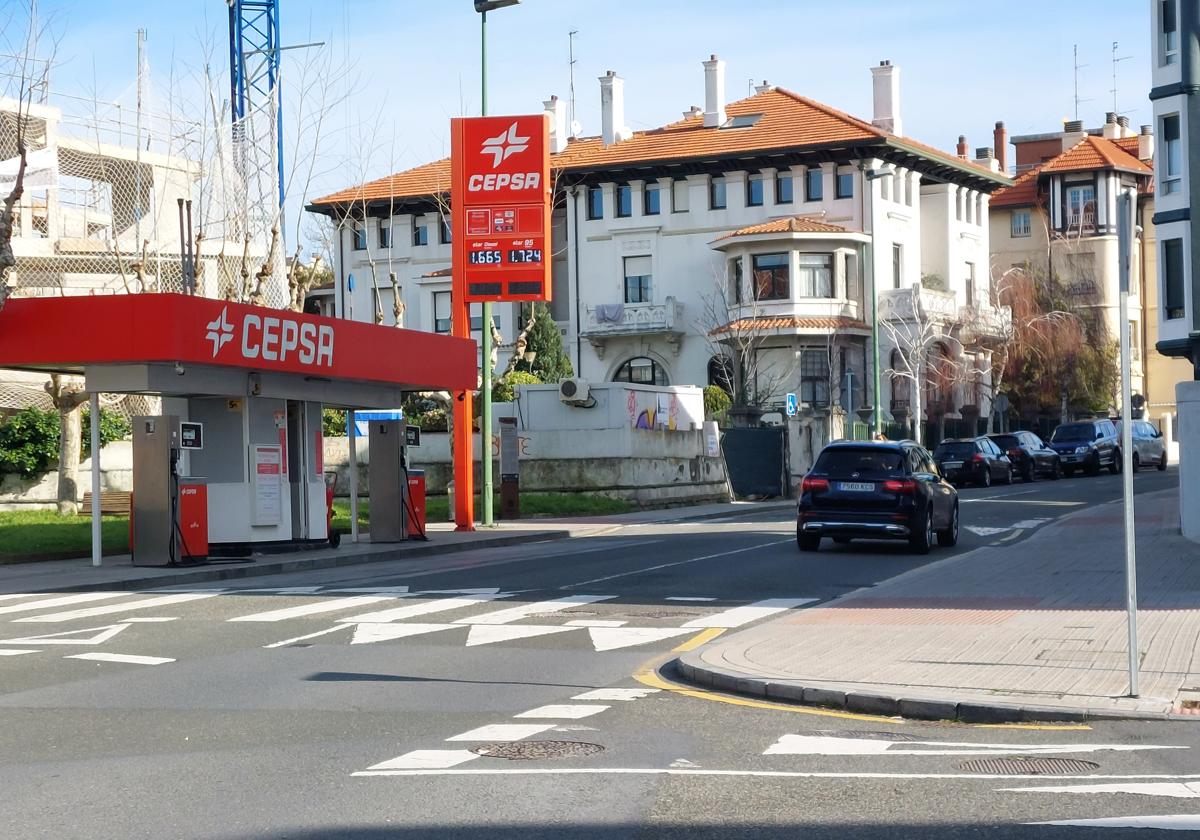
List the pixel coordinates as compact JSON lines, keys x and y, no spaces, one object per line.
{"x":500,"y":208}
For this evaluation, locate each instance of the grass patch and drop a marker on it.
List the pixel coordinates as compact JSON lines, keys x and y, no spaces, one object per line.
{"x":25,"y":534}
{"x":532,"y":504}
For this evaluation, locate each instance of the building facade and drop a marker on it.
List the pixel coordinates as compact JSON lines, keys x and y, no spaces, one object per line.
{"x":740,"y":246}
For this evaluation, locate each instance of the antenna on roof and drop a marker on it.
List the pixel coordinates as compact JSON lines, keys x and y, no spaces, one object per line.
{"x":571,"y":56}
{"x":1078,"y":67}
{"x":1115,"y":62}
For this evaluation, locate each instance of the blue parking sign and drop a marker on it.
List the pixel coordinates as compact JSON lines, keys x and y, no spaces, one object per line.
{"x":793,"y":407}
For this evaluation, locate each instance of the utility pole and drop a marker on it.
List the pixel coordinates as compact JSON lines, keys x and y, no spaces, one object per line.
{"x":1126,"y":202}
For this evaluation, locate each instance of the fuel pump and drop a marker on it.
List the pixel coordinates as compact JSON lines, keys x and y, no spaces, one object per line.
{"x":169,"y":512}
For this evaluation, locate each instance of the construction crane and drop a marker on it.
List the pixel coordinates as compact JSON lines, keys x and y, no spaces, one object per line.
{"x":254,"y":93}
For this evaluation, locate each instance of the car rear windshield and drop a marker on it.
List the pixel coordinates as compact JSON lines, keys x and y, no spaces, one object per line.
{"x":1073,"y":431}
{"x":865,"y":462}
{"x":955,"y":450}
{"x":1006,"y":441}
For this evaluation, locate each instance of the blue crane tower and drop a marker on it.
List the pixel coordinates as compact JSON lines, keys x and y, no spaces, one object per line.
{"x":254,"y":94}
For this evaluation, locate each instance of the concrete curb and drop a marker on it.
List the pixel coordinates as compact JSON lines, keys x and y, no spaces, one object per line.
{"x":208,"y":574}
{"x":879,"y":700}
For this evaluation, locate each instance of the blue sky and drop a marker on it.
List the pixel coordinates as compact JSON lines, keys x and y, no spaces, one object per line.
{"x":415,"y":63}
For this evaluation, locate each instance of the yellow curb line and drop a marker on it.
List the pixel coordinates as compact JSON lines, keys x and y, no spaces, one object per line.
{"x":699,"y":639}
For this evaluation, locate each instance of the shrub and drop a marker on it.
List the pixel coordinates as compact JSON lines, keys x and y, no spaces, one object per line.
{"x":113,"y":426}
{"x":29,"y":442}
{"x":504,"y":390}
{"x":716,"y":402}
{"x":333,"y":422}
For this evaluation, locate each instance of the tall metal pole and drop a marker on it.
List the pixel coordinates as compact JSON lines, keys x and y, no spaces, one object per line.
{"x":485,"y":412}
{"x":97,"y":532}
{"x":1125,"y":205}
{"x":137,"y":168}
{"x":877,"y":402}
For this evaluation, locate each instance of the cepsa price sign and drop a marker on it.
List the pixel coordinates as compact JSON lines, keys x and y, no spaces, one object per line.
{"x":500,"y":208}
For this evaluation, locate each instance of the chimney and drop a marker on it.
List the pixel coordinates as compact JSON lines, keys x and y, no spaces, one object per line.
{"x":1000,"y":144}
{"x":694,"y":111}
{"x":714,"y":92}
{"x":1146,"y":144}
{"x":985,"y":157}
{"x":556,"y":109}
{"x":1072,"y":133}
{"x":1126,"y":131}
{"x":885,"y":81}
{"x":764,"y":87}
{"x":612,"y":108}
{"x":962,"y":146}
{"x":1112,"y":130}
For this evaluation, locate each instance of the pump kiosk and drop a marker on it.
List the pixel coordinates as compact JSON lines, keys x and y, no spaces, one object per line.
{"x":236,"y":460}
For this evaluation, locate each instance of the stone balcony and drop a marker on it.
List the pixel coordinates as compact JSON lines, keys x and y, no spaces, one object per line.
{"x":971,"y":324}
{"x":983,"y":322}
{"x":634,"y":320}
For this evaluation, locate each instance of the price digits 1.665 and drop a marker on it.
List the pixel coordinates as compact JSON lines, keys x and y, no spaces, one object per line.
{"x":485,"y":258}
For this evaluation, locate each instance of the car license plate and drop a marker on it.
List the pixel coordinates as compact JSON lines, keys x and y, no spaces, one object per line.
{"x":856,"y":486}
{"x":952,"y":465}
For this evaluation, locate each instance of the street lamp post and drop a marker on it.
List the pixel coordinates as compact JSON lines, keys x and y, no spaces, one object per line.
{"x":869,"y":176}
{"x":485,"y":385}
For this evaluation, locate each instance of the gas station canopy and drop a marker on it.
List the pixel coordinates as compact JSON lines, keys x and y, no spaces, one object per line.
{"x":181,"y":344}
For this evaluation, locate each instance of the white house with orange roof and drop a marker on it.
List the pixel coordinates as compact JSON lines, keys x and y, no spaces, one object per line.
{"x":777,"y":212}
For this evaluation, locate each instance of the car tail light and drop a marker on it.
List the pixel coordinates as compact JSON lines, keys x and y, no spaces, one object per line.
{"x":903,"y":486}
{"x":810,"y":485}
{"x":1014,"y":453}
{"x":978,"y":459}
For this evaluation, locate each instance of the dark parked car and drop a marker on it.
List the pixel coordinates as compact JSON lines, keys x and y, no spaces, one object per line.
{"x":876,"y":490}
{"x":976,"y":460}
{"x":1030,"y":455}
{"x":1087,"y":445}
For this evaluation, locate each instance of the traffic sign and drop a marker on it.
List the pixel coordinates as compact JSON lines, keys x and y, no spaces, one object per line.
{"x":793,"y":406}
{"x":500,"y":208}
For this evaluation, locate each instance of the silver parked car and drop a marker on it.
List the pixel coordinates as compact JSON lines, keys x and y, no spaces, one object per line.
{"x":1149,"y":446}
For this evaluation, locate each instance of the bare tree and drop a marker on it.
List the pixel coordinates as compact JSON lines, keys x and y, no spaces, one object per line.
{"x":67,"y":394}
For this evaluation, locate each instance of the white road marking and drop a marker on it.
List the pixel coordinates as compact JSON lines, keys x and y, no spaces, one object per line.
{"x":371,"y":590}
{"x":1031,"y":523}
{"x":737,"y":616}
{"x":60,"y":601}
{"x":71,"y":637}
{"x":1167,"y":822}
{"x":315,"y":608}
{"x":568,"y":711}
{"x":15,"y":651}
{"x":307,"y":636}
{"x":686,"y":598}
{"x":523,"y":611}
{"x":487,"y":634}
{"x":15,"y":595}
{"x":415,"y":610}
{"x":425,"y":760}
{"x":365,"y":634}
{"x":159,"y":601}
{"x":1025,"y":502}
{"x":150,"y":619}
{"x":614,"y":638}
{"x":595,"y":622}
{"x":984,"y":531}
{"x":616,"y":694}
{"x":493,"y":590}
{"x":762,"y":774}
{"x":677,"y":563}
{"x":502,"y":732}
{"x":127,"y":658}
{"x":683,"y":762}
{"x":1175,"y":790}
{"x":829,"y":745}
{"x":283,"y":590}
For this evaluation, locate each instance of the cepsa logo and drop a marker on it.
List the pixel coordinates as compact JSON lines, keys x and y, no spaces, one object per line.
{"x":501,"y":147}
{"x":274,"y":339}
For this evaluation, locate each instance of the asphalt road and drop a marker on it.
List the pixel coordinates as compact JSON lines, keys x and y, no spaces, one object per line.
{"x":356,"y":703}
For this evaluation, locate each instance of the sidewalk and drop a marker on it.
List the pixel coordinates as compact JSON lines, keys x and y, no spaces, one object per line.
{"x":118,"y":572}
{"x":1035,"y":631}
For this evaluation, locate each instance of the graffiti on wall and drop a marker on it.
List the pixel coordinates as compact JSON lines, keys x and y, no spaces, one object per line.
{"x":652,"y":410}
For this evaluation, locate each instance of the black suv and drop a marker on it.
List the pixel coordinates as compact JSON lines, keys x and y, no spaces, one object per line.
{"x":977,"y":460}
{"x":876,"y":490}
{"x":1029,"y":455}
{"x":1087,"y":445}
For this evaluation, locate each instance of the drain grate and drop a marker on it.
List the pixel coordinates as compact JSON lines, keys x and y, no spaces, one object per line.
{"x":1024,"y":765}
{"x":533,"y":750}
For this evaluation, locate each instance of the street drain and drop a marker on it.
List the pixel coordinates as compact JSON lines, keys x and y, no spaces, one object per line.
{"x":1022,"y":765}
{"x":533,"y":750}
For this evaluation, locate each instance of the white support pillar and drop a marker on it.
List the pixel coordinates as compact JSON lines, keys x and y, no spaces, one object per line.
{"x":1187,"y":397}
{"x":97,"y":532}
{"x":352,"y":439}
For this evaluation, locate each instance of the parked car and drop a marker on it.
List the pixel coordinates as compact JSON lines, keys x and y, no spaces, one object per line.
{"x":976,"y":460}
{"x":1149,"y":448}
{"x":1030,"y":455}
{"x":876,"y":490}
{"x":1087,"y":445}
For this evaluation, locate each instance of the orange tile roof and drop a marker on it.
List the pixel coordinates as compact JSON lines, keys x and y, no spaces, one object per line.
{"x":788,"y":121}
{"x":790,"y":224}
{"x":789,"y":322}
{"x":1129,"y":144}
{"x":1023,"y":192}
{"x":1095,"y":153}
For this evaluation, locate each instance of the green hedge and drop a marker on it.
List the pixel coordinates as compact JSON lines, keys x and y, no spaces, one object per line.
{"x":29,"y":439}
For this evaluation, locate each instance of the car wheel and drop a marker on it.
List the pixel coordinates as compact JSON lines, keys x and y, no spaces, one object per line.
{"x":1093,"y":466}
{"x":1030,"y":473}
{"x":807,"y":542}
{"x":1137,"y":462}
{"x":1162,"y":462}
{"x":986,"y":479}
{"x":1008,"y":475}
{"x":922,"y":541}
{"x":1057,"y":472}
{"x":949,"y":537}
{"x":1115,"y":466}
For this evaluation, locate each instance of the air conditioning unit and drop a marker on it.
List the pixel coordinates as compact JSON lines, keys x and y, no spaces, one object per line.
{"x":573,"y":391}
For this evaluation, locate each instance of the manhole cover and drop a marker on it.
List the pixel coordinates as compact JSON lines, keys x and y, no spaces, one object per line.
{"x":532,"y":750}
{"x":1023,"y":765}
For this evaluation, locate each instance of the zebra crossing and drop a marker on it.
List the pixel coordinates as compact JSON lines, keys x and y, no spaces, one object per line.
{"x":468,"y":617}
